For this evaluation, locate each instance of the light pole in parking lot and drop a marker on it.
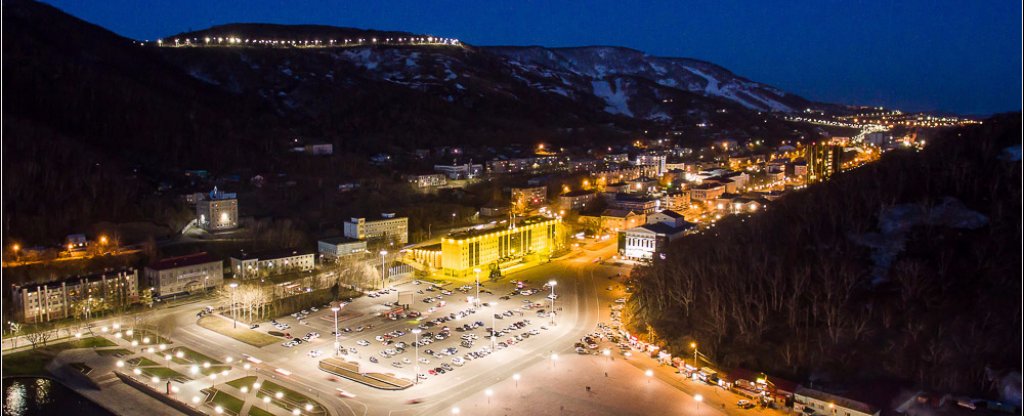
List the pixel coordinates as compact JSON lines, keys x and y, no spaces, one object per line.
{"x":383,"y":270}
{"x":694,"y":346}
{"x":494,"y":329}
{"x":337,"y":342}
{"x":234,"y":315}
{"x":699,"y":399}
{"x":552,"y":314}
{"x":477,"y":300}
{"x":416,"y":347}
{"x":516,"y":377}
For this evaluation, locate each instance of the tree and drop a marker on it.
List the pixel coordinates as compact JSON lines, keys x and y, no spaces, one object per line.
{"x":40,"y":334}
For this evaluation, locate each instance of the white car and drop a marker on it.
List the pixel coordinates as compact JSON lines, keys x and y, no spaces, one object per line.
{"x":458,"y":361}
{"x":424,"y":361}
{"x":363,"y":343}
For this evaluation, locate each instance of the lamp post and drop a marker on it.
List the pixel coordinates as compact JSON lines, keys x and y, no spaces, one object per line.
{"x":383,"y":270}
{"x":699,"y":399}
{"x":554,"y":359}
{"x":234,"y":316}
{"x":477,"y":299}
{"x":494,"y":329}
{"x":337,"y":342}
{"x":552,"y":314}
{"x":516,"y":377}
{"x":694,"y":346}
{"x":649,"y":373}
{"x":488,"y":393}
{"x":416,"y":346}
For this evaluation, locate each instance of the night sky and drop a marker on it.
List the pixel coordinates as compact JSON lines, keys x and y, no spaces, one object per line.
{"x":940,"y":55}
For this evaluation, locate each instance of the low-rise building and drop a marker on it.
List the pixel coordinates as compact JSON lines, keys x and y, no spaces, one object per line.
{"x":828,"y":404}
{"x":645,"y":241}
{"x":429,"y":180}
{"x":576,"y":200}
{"x":708,"y":191}
{"x":460,"y":171}
{"x":389,"y":227}
{"x":615,"y":220}
{"x":486,"y":249}
{"x":332,"y":248}
{"x":532,"y":197}
{"x":318,"y":149}
{"x":260,"y":264}
{"x":218,"y":212}
{"x":644,"y":204}
{"x":675,"y":200}
{"x":184,"y":274}
{"x":79,"y":296}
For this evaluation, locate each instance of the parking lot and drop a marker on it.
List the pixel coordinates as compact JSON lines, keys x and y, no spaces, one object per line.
{"x":454,"y":327}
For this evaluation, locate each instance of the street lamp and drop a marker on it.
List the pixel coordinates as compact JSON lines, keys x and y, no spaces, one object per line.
{"x":416,"y":346}
{"x":516,"y":377}
{"x":494,"y":328}
{"x":383,"y":270}
{"x":488,"y":393}
{"x":554,"y":359}
{"x":699,"y":399}
{"x":477,"y":299}
{"x":337,"y":342}
{"x":694,"y":346}
{"x":234,"y":316}
{"x":552,"y":314}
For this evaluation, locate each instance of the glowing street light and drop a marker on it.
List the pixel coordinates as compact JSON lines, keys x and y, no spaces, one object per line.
{"x":383,"y":269}
{"x":416,"y":345}
{"x":552,"y":313}
{"x":337,"y":341}
{"x":649,"y":373}
{"x":516,"y":377}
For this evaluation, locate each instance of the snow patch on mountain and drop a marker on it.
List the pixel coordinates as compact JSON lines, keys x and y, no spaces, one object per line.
{"x":616,"y":100}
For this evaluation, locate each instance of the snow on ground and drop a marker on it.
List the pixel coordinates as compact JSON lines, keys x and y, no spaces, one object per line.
{"x":617,"y":101}
{"x":561,"y":390}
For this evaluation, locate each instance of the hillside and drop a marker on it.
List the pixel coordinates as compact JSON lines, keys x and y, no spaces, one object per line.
{"x":905,"y":270}
{"x":92,"y":116}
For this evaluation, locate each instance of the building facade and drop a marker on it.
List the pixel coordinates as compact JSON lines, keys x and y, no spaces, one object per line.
{"x":533,"y":196}
{"x":332,"y":248}
{"x":81,"y":296}
{"x":430,"y":180}
{"x":218,"y":212}
{"x":270,"y":263}
{"x":828,"y":404}
{"x":615,"y":220}
{"x":463,"y":252}
{"x":185,"y":274}
{"x":576,"y":200}
{"x":463,"y":171}
{"x":823,"y":161}
{"x":387,"y":228}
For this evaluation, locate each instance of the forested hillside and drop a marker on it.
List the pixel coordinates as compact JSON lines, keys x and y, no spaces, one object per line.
{"x":907,"y":269}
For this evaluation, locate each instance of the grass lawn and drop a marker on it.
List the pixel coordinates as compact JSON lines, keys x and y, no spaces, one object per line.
{"x":244,"y":381}
{"x":291,"y":397}
{"x":164,"y":373}
{"x":117,"y":352}
{"x":141,"y":335}
{"x":227,"y":401}
{"x":214,"y":369}
{"x":89,"y":342}
{"x":241,"y":333}
{"x":190,"y":357}
{"x":33,"y":362}
{"x":26,"y":363}
{"x":142,"y":362}
{"x":256,"y":411}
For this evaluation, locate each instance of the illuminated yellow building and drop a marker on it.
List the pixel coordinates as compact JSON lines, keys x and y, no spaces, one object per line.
{"x":488,"y":249}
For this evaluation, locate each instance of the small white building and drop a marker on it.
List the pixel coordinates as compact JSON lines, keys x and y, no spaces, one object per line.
{"x":388,"y":227}
{"x":828,"y":404}
{"x":218,"y":212}
{"x":463,"y":171}
{"x":335,"y":247}
{"x":273,"y":262}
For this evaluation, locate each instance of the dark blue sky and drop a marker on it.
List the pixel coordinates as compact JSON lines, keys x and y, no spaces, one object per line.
{"x":960,"y":56}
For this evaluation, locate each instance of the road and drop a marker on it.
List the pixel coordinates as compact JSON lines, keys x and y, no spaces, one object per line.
{"x":579,"y":277}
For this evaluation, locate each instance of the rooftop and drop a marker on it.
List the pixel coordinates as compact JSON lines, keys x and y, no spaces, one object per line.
{"x":339,"y":240}
{"x":182,"y":261}
{"x":662,"y":228}
{"x":271,"y":254}
{"x":836,"y":399}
